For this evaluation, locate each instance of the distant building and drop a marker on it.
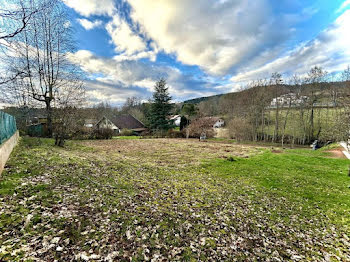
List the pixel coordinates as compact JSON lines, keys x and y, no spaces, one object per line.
{"x":37,"y":125}
{"x":286,"y":99}
{"x":176,"y":119}
{"x":215,"y":122}
{"x":105,"y":123}
{"x":90,"y":123}
{"x":129,"y":122}
{"x":118,"y":123}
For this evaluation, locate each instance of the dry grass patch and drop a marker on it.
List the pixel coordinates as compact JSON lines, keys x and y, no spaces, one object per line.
{"x":172,"y":152}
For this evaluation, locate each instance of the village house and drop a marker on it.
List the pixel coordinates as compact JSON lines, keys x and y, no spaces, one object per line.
{"x":120,"y":122}
{"x":36,"y":125}
{"x":105,"y":123}
{"x":215,"y":122}
{"x":176,"y":119}
{"x":89,"y":123}
{"x":286,"y":99}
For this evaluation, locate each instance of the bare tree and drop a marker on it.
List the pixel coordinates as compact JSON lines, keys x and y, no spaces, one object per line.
{"x":290,"y":97}
{"x":67,"y":118}
{"x":41,"y":56}
{"x":315,"y":78}
{"x":346,"y":103}
{"x":15,"y":17}
{"x":276,"y":81}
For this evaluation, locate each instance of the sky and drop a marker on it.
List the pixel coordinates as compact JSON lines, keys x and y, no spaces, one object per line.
{"x":203,"y":47}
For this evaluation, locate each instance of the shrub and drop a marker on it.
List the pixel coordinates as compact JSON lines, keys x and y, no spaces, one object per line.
{"x":200,"y":126}
{"x":240,"y":129}
{"x":82,"y":133}
{"x":103,"y":133}
{"x":159,"y":133}
{"x":175,"y":134}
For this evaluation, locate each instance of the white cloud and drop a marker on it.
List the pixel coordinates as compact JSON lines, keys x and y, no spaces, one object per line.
{"x":329,"y":50}
{"x":135,"y":76}
{"x":124,"y":38}
{"x":112,"y":71}
{"x":88,"y":25}
{"x":216,"y":36}
{"x":92,"y":7}
{"x":97,"y":91}
{"x":344,"y":5}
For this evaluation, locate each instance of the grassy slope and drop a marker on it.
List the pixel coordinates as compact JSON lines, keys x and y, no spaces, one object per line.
{"x":322,"y":117}
{"x":130,"y":198}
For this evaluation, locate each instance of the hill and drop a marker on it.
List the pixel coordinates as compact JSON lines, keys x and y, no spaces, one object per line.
{"x":201,"y":99}
{"x":271,"y":91}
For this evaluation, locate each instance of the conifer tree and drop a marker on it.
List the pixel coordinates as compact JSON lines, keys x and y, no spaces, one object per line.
{"x":161,"y":107}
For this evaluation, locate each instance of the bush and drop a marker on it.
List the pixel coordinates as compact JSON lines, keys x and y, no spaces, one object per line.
{"x":175,"y":134}
{"x":103,"y":133}
{"x":126,"y":132}
{"x":240,"y":129}
{"x":199,"y":127}
{"x":159,"y":133}
{"x":82,"y":133}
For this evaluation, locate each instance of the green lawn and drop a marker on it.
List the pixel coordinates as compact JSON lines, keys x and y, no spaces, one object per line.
{"x":127,"y":137}
{"x":323,"y":117}
{"x":173,"y":199}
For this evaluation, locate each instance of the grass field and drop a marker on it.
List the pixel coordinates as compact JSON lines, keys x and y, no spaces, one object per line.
{"x":172,"y":199}
{"x":323,"y":117}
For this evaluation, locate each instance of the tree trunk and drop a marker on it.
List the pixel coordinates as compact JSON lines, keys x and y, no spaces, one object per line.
{"x":49,"y":112}
{"x":276,"y":124}
{"x":311,"y":133}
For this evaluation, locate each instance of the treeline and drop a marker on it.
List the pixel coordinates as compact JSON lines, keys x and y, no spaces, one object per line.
{"x":298,"y":110}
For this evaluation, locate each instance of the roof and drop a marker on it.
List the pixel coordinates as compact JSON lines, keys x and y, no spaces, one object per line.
{"x":174,"y":117}
{"x":108,"y":122}
{"x":212,"y":120}
{"x":90,"y":121}
{"x":127,"y":121}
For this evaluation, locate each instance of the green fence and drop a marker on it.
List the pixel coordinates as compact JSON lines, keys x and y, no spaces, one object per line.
{"x":35,"y":130}
{"x":7,"y":126}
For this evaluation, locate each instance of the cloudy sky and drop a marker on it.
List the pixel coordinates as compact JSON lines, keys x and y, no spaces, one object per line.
{"x":203,"y":47}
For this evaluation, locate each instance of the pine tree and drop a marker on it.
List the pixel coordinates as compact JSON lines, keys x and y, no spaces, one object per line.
{"x":161,"y":107}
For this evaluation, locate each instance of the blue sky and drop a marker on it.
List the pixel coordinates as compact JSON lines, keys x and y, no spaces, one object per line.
{"x":203,"y":47}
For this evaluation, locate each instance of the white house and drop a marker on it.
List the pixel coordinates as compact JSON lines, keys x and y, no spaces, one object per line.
{"x":219,"y":123}
{"x":176,"y":120}
{"x":215,"y":122}
{"x":105,"y":123}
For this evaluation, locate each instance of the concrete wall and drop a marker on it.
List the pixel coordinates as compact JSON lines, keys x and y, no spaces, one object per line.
{"x":6,"y":149}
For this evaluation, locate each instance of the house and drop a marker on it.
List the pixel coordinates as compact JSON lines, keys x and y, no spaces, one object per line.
{"x":286,"y":99}
{"x":118,"y":123}
{"x":215,"y":122}
{"x":105,"y":123}
{"x":176,"y":119}
{"x":90,"y":123}
{"x":36,"y":125}
{"x":128,"y":122}
{"x":37,"y":119}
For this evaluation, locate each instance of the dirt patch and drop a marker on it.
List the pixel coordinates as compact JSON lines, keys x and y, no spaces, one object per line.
{"x":336,"y":153}
{"x":277,"y":151}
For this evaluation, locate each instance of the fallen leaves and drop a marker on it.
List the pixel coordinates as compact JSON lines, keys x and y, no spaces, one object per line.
{"x":88,"y":206}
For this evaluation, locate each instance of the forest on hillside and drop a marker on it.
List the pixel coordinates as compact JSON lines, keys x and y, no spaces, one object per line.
{"x":296,"y":111}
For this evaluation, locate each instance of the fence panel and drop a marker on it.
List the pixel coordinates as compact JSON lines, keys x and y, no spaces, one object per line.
{"x":7,"y":126}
